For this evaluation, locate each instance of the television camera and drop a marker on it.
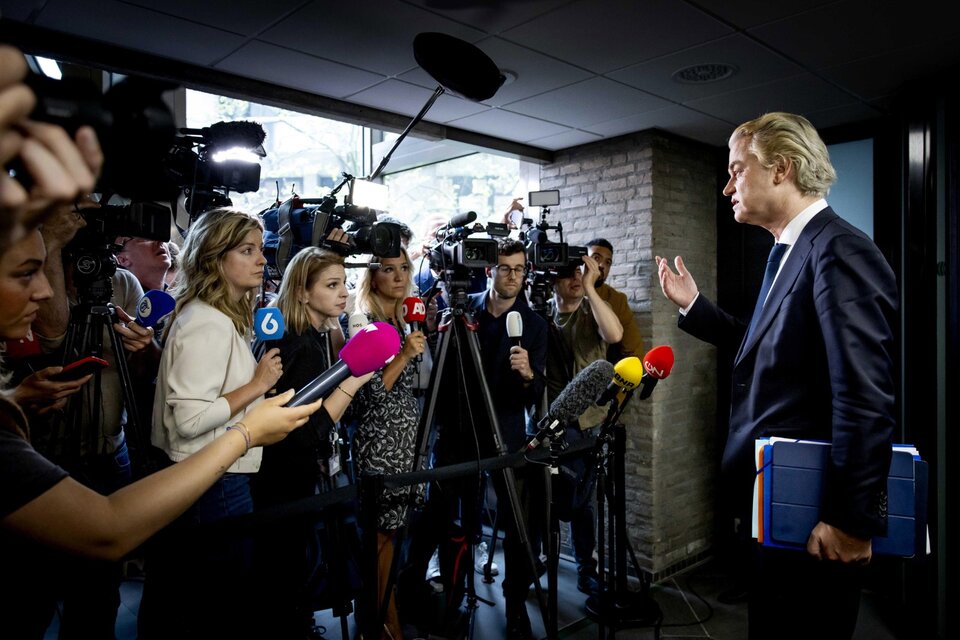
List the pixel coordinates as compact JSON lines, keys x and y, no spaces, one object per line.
{"x":306,"y":222}
{"x":548,"y":260}
{"x":198,"y":162}
{"x":455,"y":254}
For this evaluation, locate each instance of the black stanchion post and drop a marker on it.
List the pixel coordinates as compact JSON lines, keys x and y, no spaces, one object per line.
{"x":371,"y":486}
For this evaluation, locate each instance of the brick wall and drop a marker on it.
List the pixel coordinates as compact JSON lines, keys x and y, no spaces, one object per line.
{"x":655,"y":194}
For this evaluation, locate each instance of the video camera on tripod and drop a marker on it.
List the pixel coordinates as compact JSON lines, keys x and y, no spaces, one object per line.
{"x":207,"y":164}
{"x":299,"y":222}
{"x":548,"y":260}
{"x":92,"y":252}
{"x":455,"y":253}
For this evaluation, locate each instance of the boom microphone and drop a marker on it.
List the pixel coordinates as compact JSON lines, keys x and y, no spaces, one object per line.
{"x":514,"y":327}
{"x":369,"y":350}
{"x":627,"y":374}
{"x":657,"y":365}
{"x":462,"y":219}
{"x":154,"y":305}
{"x":575,"y":398}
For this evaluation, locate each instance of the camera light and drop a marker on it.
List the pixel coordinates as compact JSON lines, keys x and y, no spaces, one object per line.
{"x":236,"y":153}
{"x":371,"y":194}
{"x":50,"y":68}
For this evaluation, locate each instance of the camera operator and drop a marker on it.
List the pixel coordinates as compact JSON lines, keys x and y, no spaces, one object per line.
{"x":149,"y":260}
{"x":515,"y":377}
{"x":583,"y":327}
{"x":91,"y":587}
{"x":601,"y":250}
{"x":59,"y":168}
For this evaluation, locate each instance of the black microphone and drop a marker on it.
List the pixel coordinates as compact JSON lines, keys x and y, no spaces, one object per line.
{"x":575,"y":398}
{"x":462,"y":219}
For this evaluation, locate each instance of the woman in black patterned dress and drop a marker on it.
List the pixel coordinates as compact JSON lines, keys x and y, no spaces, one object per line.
{"x":389,"y":413}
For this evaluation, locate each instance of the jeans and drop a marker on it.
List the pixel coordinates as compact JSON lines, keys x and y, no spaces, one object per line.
{"x":192,"y":579}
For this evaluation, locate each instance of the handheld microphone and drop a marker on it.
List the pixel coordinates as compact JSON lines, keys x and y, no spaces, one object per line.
{"x":627,"y":374}
{"x":268,"y":323}
{"x":575,"y":398}
{"x":657,"y":365}
{"x":369,"y":350}
{"x":154,"y":305}
{"x":414,"y":312}
{"x":356,"y":322}
{"x":514,"y":327}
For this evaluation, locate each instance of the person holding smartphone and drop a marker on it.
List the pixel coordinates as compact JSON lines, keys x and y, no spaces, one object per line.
{"x":45,"y":515}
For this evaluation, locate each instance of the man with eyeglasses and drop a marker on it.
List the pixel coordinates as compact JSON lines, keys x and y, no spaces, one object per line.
{"x":147,"y":259}
{"x":515,"y":378}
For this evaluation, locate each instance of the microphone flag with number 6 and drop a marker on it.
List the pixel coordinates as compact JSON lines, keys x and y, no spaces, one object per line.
{"x":371,"y":349}
{"x":657,"y":365}
{"x":154,"y":305}
{"x":575,"y":398}
{"x":268,"y":323}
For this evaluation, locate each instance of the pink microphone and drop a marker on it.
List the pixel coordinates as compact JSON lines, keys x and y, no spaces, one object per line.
{"x":372,"y":348}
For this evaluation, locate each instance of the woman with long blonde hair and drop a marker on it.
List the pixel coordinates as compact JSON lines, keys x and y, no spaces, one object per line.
{"x":388,"y":412}
{"x":312,"y":297}
{"x":208,"y":380}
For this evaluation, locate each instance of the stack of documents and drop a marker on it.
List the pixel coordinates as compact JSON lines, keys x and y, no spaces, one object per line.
{"x":789,"y":488}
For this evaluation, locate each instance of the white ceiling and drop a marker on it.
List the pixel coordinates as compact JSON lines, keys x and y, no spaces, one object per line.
{"x":585,"y":69}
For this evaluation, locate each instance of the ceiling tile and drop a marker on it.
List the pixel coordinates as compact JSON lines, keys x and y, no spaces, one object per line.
{"x":567,"y":139}
{"x":408,"y":99}
{"x":588,"y":102}
{"x":603,"y":35}
{"x":755,"y":64}
{"x":798,"y":94}
{"x":297,"y":70}
{"x":245,"y":17}
{"x":123,"y":25}
{"x":380,"y":40}
{"x":510,"y":126}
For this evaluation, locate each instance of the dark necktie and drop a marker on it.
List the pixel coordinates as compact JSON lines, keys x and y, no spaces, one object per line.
{"x":773,"y":263}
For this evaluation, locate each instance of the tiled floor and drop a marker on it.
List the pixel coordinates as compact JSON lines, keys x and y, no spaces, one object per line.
{"x":689,"y":604}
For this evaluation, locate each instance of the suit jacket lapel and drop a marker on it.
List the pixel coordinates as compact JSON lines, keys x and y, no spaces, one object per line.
{"x":786,"y":278}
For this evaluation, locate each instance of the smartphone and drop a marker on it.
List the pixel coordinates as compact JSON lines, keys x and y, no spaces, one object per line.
{"x":80,"y":368}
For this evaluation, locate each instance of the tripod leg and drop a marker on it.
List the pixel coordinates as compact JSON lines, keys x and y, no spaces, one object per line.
{"x":510,"y":482}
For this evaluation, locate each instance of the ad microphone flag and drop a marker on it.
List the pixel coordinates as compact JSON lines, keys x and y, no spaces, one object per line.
{"x":154,"y":305}
{"x":371,"y":349}
{"x":575,"y":398}
{"x":514,"y":327}
{"x":627,"y":375}
{"x":657,"y":365}
{"x":415,"y":314}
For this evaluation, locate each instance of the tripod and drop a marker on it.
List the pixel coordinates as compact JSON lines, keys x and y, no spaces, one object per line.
{"x":88,"y":320}
{"x":616,"y":605}
{"x":458,"y":327}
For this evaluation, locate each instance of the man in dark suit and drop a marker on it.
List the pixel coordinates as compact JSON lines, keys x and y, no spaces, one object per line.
{"x":815,"y":362}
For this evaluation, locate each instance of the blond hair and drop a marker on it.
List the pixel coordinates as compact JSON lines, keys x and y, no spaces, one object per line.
{"x":778,"y":135}
{"x":299,"y":277}
{"x":201,"y":275}
{"x":369,"y":302}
